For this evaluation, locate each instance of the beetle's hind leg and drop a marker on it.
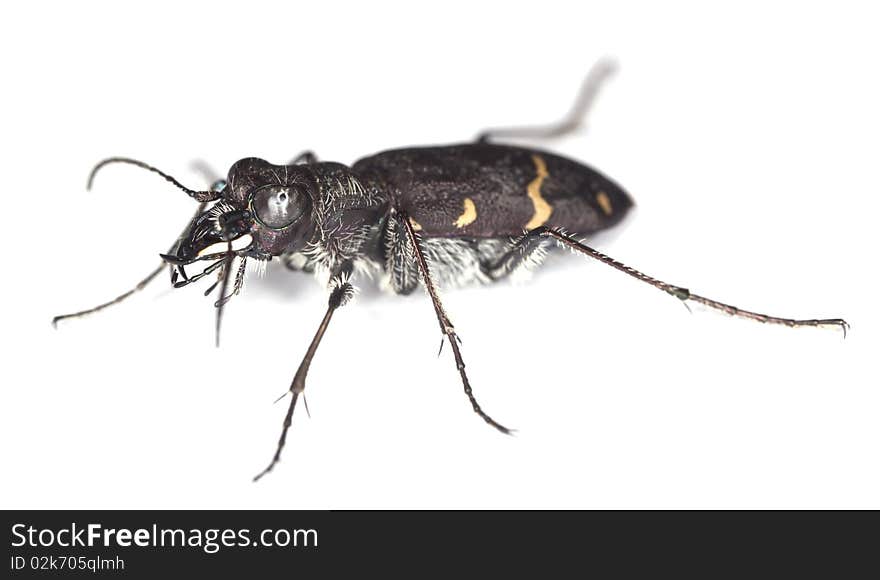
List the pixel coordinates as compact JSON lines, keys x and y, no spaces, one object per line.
{"x":679,"y":292}
{"x":523,"y":253}
{"x":600,"y":72}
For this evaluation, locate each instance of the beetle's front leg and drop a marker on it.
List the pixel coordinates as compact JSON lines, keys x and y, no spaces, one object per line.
{"x":341,"y":293}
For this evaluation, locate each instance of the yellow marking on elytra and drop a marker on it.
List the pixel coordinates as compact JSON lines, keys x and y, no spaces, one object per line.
{"x":533,"y":189}
{"x":604,"y":202}
{"x":416,"y":225}
{"x":469,"y":214}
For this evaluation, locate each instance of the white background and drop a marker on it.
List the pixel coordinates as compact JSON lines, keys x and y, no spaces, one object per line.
{"x":748,"y":136}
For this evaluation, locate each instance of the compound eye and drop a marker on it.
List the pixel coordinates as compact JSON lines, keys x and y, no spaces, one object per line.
{"x":277,"y":206}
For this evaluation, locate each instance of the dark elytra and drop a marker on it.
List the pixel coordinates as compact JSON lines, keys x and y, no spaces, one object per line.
{"x":431,"y":184}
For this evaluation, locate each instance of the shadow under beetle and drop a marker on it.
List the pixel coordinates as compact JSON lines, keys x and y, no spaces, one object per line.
{"x":418,"y":216}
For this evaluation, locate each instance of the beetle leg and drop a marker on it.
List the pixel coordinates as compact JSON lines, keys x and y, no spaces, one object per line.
{"x":598,"y":74}
{"x":297,"y":262}
{"x":446,"y":326}
{"x":520,"y":254}
{"x":224,"y":282}
{"x":342,"y":292}
{"x":236,"y":287}
{"x":140,"y":285}
{"x":187,"y":280}
{"x":225,"y":272}
{"x":679,"y":292}
{"x":307,"y":157}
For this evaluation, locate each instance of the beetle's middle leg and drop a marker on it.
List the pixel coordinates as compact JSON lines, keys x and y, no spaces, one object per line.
{"x":600,"y":72}
{"x":446,"y":326}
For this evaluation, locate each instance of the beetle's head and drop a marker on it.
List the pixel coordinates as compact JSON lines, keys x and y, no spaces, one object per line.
{"x":259,"y":211}
{"x":263,"y":210}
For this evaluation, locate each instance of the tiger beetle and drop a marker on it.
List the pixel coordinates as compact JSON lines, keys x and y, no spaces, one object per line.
{"x":429,"y":216}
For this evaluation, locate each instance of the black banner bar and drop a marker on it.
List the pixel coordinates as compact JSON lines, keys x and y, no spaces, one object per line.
{"x":232,"y":543}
